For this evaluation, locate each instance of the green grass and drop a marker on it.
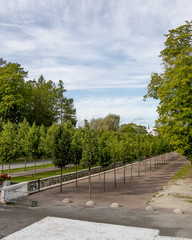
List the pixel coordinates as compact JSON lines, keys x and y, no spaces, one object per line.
{"x":185,"y":172}
{"x":43,"y":175}
{"x":28,"y":168}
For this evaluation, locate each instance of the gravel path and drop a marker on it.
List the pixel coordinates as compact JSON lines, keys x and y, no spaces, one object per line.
{"x":135,"y":193}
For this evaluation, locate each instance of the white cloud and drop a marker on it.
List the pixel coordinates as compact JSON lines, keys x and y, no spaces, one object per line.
{"x":127,"y":108}
{"x":91,"y":45}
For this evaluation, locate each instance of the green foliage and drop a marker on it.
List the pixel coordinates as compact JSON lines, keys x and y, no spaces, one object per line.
{"x":66,"y":110}
{"x":33,"y":142}
{"x":43,"y":102}
{"x":109,"y":123}
{"x":174,"y":89}
{"x":38,"y":101}
{"x":22,"y":137}
{"x":77,"y":148}
{"x":61,"y":148}
{"x":133,"y":128}
{"x":12,"y":91}
{"x":104,"y":150}
{"x":90,"y":146}
{"x":8,"y":143}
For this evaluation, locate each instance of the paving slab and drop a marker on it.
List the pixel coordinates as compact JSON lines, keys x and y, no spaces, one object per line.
{"x":67,"y":229}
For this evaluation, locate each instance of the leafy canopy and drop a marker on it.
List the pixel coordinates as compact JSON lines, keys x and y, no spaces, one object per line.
{"x":173,"y":88}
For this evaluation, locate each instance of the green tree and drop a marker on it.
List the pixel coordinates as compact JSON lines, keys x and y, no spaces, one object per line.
{"x":33,"y":144}
{"x":42,"y":145}
{"x":65,"y":106}
{"x":173,"y":88}
{"x":109,"y":123}
{"x":43,"y":102}
{"x":90,"y":150}
{"x":12,"y":91}
{"x":23,"y":131}
{"x":49,"y":140}
{"x":8,"y":143}
{"x":104,"y":154}
{"x":76,"y":147}
{"x":61,"y":149}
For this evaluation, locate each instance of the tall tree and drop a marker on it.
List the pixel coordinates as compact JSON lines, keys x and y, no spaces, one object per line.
{"x":33,"y":144}
{"x":173,"y":88}
{"x":109,"y":123}
{"x":22,"y":136}
{"x":66,"y":110}
{"x":8,"y":143}
{"x":104,"y":154}
{"x":43,"y":102}
{"x":90,"y":150}
{"x":12,"y":91}
{"x":76,"y":149}
{"x":61,"y":149}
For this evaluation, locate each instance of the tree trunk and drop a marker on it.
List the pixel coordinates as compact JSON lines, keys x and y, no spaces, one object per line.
{"x":89,"y":183}
{"x":9,"y":168}
{"x":35,"y":167}
{"x":131,"y":170}
{"x":115,"y":185}
{"x":25,"y":164}
{"x":124,"y":172}
{"x":76,"y":173}
{"x":150,"y":163}
{"x":61,"y":190}
{"x":104,"y":179}
{"x":139,"y":168}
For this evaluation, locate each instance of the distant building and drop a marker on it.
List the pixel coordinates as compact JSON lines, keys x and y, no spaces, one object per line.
{"x":152,"y":132}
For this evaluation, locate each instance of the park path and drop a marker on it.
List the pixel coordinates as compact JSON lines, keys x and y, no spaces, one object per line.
{"x":133,"y":194}
{"x":22,"y":164}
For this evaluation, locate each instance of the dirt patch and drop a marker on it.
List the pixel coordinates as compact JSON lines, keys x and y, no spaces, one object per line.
{"x":177,"y":194}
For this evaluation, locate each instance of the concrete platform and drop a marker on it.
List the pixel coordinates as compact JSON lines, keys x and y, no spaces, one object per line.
{"x":67,"y":229}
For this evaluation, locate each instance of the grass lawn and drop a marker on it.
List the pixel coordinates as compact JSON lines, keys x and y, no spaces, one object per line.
{"x":43,"y":175}
{"x":185,"y":172}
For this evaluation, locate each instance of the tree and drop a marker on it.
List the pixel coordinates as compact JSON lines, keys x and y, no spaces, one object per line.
{"x":133,"y":128}
{"x":12,"y":91}
{"x":76,"y":147}
{"x":66,"y":110}
{"x":61,"y":149}
{"x":8,"y":143}
{"x":42,"y":144}
{"x":104,"y":154}
{"x":173,"y":88}
{"x":43,"y":102}
{"x":109,"y":123}
{"x":90,"y":150}
{"x":23,"y":131}
{"x":33,"y":144}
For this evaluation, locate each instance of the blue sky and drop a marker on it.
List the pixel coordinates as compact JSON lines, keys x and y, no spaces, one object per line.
{"x":103,"y":50}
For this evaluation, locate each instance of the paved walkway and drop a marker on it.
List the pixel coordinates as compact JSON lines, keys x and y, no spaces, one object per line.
{"x":133,"y":194}
{"x":66,"y":229}
{"x":22,"y":164}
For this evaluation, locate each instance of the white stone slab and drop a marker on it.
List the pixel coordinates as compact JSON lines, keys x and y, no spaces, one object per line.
{"x":66,"y":229}
{"x":170,"y":238}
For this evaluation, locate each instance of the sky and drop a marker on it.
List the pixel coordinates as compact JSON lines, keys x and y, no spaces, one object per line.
{"x":103,"y":50}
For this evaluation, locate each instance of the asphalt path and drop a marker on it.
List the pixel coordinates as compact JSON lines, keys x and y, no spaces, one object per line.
{"x":21,"y":164}
{"x":178,"y":225}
